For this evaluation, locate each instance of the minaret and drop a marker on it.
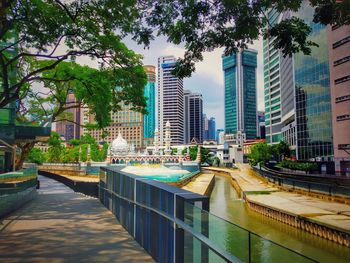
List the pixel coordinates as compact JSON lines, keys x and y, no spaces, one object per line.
{"x":167,"y":139}
{"x":198,"y":159}
{"x":156,"y":141}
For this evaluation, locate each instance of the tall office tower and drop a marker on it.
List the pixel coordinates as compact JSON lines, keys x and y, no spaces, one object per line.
{"x":149,"y":120}
{"x":240,"y":92}
{"x":211,"y":129}
{"x":278,"y":88}
{"x":339,"y":64}
{"x":205,"y":127}
{"x":196,"y":117}
{"x":170,"y":101}
{"x":261,"y":124}
{"x":70,"y":129}
{"x":187,"y":137}
{"x":297,"y":93}
{"x":193,"y":116}
{"x":312,"y":95}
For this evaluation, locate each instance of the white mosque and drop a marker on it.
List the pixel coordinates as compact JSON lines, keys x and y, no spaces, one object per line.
{"x":120,"y":152}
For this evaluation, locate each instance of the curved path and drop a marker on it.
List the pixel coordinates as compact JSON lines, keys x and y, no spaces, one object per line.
{"x":63,"y":226}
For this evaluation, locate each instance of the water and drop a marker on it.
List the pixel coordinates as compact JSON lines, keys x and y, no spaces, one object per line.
{"x":225,"y":203}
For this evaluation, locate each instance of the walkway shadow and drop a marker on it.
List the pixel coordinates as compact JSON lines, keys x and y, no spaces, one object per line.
{"x":62,"y":226}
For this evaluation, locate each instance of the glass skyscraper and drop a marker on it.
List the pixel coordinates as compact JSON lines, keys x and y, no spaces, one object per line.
{"x":312,"y":95}
{"x":297,"y":93}
{"x":149,"y":120}
{"x":278,"y":88}
{"x":240,"y":92}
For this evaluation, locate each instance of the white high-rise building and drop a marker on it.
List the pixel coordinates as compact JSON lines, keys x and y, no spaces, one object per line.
{"x":170,"y":101}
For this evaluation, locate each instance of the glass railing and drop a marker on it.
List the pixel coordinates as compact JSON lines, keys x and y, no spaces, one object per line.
{"x":173,"y":225}
{"x":239,"y":243}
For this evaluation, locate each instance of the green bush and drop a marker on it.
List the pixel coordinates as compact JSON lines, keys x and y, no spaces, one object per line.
{"x":36,"y":156}
{"x":307,"y":167}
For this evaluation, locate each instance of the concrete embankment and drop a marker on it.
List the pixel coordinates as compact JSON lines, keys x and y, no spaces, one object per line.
{"x":323,"y":218}
{"x":202,"y":184}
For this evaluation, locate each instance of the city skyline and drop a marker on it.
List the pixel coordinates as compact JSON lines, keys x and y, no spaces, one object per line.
{"x":208,"y":78}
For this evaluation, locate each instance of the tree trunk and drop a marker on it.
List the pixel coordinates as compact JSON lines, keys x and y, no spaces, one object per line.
{"x":26,"y":148}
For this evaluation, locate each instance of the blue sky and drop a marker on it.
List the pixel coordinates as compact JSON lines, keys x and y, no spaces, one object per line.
{"x":208,"y":78}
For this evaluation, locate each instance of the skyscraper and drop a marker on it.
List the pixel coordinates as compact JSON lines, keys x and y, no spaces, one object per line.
{"x":211,"y":129}
{"x":187,"y":138}
{"x":297,"y":93}
{"x":170,"y":100}
{"x":278,"y":88}
{"x":205,"y":127}
{"x":339,"y":63}
{"x":240,"y":92}
{"x":149,"y":120}
{"x":196,"y":117}
{"x":312,"y":95}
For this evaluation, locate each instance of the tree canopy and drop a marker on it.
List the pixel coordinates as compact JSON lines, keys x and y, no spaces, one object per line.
{"x":32,"y":30}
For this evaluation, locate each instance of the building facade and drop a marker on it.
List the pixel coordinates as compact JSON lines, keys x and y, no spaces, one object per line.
{"x":261,"y":124}
{"x":278,"y":86}
{"x":187,"y":137}
{"x":297,"y":93}
{"x":70,"y":129}
{"x":126,"y":121}
{"x":149,"y":120}
{"x":170,"y":100}
{"x":339,"y":65}
{"x":205,"y":127}
{"x":211,"y":129}
{"x":312,"y":95}
{"x":240,"y":92}
{"x":193,"y":117}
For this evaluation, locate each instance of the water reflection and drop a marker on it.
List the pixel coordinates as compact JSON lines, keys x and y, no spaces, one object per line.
{"x":225,"y":203}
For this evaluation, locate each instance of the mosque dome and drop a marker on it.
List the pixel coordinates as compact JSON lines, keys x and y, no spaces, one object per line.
{"x":119,"y":146}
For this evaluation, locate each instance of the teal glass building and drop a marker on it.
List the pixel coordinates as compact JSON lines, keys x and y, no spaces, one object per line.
{"x":240,"y":92}
{"x":149,"y":120}
{"x":312,"y":95}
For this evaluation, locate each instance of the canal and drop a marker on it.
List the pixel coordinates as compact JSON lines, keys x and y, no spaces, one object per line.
{"x":225,"y":203}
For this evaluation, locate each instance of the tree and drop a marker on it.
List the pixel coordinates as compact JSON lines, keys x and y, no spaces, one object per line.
{"x":55,"y":148}
{"x":280,"y":150}
{"x":260,"y":153}
{"x":65,"y":30}
{"x":205,"y":25}
{"x":92,"y":88}
{"x":36,"y":156}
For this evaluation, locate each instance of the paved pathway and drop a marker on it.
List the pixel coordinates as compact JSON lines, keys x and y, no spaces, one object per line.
{"x":331,"y":214}
{"x":63,"y":226}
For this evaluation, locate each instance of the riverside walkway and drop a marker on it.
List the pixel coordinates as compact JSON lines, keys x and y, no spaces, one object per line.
{"x":320,"y":217}
{"x":63,"y":226}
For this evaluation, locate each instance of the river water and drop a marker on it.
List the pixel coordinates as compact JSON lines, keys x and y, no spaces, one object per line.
{"x":225,"y":203}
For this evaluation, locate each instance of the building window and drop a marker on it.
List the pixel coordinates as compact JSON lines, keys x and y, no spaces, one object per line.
{"x":342,"y":98}
{"x":341,"y":61}
{"x":343,"y":117}
{"x":341,"y":80}
{"x":341,"y":42}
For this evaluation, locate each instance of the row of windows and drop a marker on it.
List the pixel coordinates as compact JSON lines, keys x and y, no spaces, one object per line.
{"x":343,"y":117}
{"x":341,"y":61}
{"x":341,"y":80}
{"x":341,"y":42}
{"x":342,"y":98}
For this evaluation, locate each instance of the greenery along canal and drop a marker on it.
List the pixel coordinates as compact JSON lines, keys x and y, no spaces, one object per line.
{"x":225,"y":203}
